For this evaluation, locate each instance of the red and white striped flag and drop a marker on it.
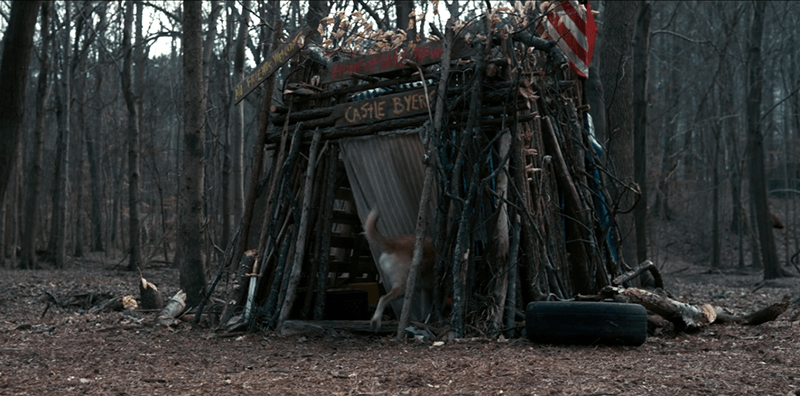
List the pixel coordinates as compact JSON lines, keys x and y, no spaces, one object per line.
{"x":571,"y":24}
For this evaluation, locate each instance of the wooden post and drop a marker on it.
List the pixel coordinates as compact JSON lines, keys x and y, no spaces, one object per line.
{"x":513,"y":257}
{"x":429,"y":140}
{"x":462,"y":252}
{"x":325,"y":244}
{"x":294,"y":278}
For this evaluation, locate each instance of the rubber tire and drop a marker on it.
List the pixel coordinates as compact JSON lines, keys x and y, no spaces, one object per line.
{"x":582,"y":322}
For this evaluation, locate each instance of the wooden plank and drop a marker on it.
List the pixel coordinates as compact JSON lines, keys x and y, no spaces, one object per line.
{"x":343,"y":194}
{"x":364,"y":266}
{"x":271,"y":63}
{"x":384,"y":108}
{"x":342,"y":242}
{"x":345,"y":218}
{"x":424,"y":54}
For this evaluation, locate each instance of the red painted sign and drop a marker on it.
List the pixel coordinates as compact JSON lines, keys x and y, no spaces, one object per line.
{"x":424,"y":54}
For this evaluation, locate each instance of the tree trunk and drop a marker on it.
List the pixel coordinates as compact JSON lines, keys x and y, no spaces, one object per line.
{"x":403,"y":8}
{"x":716,"y":260}
{"x":641,"y":54}
{"x":58,"y":232}
{"x":237,"y":132}
{"x":135,"y":258}
{"x":17,"y":44}
{"x":755,"y":137}
{"x":34,"y":178}
{"x":617,"y":70}
{"x":192,"y":278}
{"x":94,"y":171}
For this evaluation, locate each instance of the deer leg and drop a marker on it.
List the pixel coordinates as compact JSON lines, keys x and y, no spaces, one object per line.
{"x":396,"y":292}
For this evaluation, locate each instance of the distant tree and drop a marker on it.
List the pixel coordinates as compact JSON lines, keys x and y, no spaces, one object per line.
{"x":755,"y":143}
{"x":33,"y":182}
{"x":91,"y":143}
{"x":190,"y":200}
{"x":236,"y":152}
{"x":135,"y":258}
{"x":641,"y":57}
{"x":616,"y":65}
{"x":57,"y":242}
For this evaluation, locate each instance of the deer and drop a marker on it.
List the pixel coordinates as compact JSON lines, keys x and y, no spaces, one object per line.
{"x":394,"y":263}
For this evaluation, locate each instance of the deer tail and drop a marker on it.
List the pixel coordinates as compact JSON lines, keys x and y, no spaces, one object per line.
{"x":371,"y":231}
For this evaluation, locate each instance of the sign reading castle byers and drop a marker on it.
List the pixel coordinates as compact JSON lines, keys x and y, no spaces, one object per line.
{"x":273,"y":61}
{"x":384,"y":108}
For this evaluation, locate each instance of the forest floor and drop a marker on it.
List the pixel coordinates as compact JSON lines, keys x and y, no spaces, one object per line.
{"x":47,"y":349}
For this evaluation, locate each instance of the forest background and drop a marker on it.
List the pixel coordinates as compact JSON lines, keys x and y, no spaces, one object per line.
{"x":101,"y":149}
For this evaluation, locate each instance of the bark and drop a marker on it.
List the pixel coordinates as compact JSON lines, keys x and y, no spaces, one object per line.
{"x":403,"y":8}
{"x":617,"y":70}
{"x":687,"y":316}
{"x":462,"y":254}
{"x":683,"y":316}
{"x":647,"y":265}
{"x":135,"y":257}
{"x":715,"y":223}
{"x":755,"y":138}
{"x":302,"y":230}
{"x":669,"y":131}
{"x":94,"y":171}
{"x":149,"y":295}
{"x":641,"y":53}
{"x":574,"y":219}
{"x":501,"y":281}
{"x":33,"y":180}
{"x":513,"y":276}
{"x":17,"y":44}
{"x":237,"y":113}
{"x":190,"y":234}
{"x":58,"y":232}
{"x":174,"y":307}
{"x":211,"y":35}
{"x":325,"y":241}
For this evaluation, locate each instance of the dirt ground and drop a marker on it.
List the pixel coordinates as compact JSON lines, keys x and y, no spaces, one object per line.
{"x":48,"y":350}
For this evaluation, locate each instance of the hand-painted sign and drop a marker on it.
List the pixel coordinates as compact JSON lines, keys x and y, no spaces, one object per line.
{"x":273,"y":61}
{"x":385,"y":107}
{"x":424,"y":54}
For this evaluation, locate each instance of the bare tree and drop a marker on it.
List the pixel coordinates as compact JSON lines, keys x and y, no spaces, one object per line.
{"x":94,"y":171}
{"x":641,"y":55}
{"x":755,"y":143}
{"x":34,"y":179}
{"x":237,"y":132}
{"x":403,"y":8}
{"x":57,"y":243}
{"x":17,"y":44}
{"x":190,"y":202}
{"x":135,"y":259}
{"x":616,"y":65}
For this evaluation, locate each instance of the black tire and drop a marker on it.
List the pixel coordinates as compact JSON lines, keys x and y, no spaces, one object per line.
{"x":581,"y":322}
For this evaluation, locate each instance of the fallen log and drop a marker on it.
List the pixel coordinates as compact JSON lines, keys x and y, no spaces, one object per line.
{"x":647,"y":265}
{"x":689,"y":317}
{"x":173,"y":309}
{"x":683,"y":316}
